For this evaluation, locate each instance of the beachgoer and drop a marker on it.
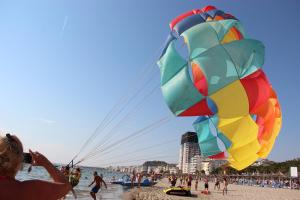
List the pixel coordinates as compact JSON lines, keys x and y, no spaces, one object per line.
{"x":196,"y":184}
{"x":139,"y":177}
{"x":133,"y":178}
{"x":75,"y":177}
{"x":66,"y":172}
{"x":101,"y":175}
{"x":217,"y":184}
{"x":98,"y":181}
{"x":225,"y":185}
{"x":11,"y":157}
{"x":189,"y":181}
{"x":173,"y":180}
{"x":206,"y":185}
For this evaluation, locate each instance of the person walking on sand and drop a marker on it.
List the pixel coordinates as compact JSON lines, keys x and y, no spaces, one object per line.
{"x":98,"y":180}
{"x":189,"y":181}
{"x":206,"y":185}
{"x":225,"y":185}
{"x":139,"y":177}
{"x":217,"y":184}
{"x":196,"y":184}
{"x":133,"y":178}
{"x":173,"y":180}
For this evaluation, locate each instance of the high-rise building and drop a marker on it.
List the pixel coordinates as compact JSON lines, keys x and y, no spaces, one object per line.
{"x":189,"y":156}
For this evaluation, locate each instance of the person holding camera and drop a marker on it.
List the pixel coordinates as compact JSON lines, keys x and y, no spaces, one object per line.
{"x":11,"y":161}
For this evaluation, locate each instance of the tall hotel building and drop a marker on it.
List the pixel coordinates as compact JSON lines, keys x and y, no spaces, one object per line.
{"x":189,"y":156}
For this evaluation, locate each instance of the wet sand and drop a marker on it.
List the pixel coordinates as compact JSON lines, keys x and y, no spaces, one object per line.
{"x":235,"y":192}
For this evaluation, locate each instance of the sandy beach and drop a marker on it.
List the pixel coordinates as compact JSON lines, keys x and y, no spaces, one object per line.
{"x":235,"y":192}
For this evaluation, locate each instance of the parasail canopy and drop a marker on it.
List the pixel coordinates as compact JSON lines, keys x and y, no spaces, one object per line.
{"x":221,"y":81}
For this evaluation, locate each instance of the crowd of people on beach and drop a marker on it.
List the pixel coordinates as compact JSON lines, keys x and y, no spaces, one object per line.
{"x":267,"y":182}
{"x":186,"y":180}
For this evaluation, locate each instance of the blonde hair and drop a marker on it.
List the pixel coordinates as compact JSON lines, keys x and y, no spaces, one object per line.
{"x":11,"y":155}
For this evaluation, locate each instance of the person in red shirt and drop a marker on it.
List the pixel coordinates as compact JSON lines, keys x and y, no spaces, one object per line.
{"x":11,"y":161}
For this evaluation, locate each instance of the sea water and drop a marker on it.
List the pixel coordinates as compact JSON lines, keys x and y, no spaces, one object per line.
{"x":82,"y":190}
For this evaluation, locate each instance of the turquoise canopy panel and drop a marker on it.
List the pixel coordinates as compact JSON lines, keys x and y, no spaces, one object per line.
{"x":179,"y":92}
{"x":210,"y":147}
{"x":246,"y":60}
{"x":202,"y":127}
{"x":211,"y":33}
{"x":196,"y":44}
{"x":170,"y":63}
{"x":208,"y":136}
{"x":211,"y":140}
{"x":218,"y":68}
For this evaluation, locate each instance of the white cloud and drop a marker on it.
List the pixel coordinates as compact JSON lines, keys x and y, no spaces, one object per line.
{"x":66,"y":19}
{"x":46,"y":121}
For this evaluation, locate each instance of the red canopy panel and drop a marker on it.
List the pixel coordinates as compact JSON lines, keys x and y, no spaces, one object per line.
{"x":208,"y":8}
{"x":199,"y":79}
{"x":258,"y":89}
{"x":218,"y":156}
{"x":199,"y":109}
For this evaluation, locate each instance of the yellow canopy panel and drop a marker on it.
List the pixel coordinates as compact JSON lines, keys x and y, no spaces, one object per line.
{"x":232,"y":101}
{"x":240,"y":132}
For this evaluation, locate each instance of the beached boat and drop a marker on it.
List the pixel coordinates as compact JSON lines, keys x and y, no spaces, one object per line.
{"x":120,"y":181}
{"x":144,"y":183}
{"x":178,"y":191}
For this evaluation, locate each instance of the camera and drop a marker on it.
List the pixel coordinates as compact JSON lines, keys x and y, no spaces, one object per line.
{"x":27,"y":158}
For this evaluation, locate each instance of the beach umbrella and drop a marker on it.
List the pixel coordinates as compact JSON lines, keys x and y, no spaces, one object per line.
{"x":218,"y":76}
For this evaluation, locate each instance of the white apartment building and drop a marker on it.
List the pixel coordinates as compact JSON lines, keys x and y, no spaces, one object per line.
{"x":189,"y":155}
{"x":208,"y":165}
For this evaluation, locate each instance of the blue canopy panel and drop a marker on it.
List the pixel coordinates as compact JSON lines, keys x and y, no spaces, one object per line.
{"x":177,"y":87}
{"x":216,"y":12}
{"x":193,"y":20}
{"x":187,"y":23}
{"x":169,"y":39}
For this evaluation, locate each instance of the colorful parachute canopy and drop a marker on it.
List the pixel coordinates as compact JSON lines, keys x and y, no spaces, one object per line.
{"x":221,"y":81}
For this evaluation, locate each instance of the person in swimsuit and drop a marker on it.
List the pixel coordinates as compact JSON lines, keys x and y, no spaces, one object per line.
{"x":98,"y":180}
{"x":139,"y":177}
{"x":75,"y":177}
{"x":11,"y":158}
{"x":173,"y":180}
{"x":217,"y":184}
{"x":132,"y":179}
{"x":196,"y":183}
{"x":189,"y":181}
{"x":206,"y":185}
{"x":225,"y":185}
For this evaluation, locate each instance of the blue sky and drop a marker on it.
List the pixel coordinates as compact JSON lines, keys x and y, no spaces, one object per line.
{"x":65,"y":64}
